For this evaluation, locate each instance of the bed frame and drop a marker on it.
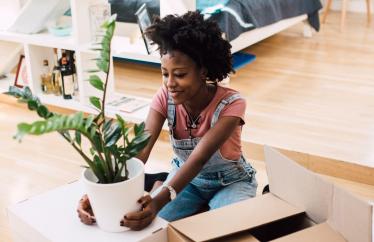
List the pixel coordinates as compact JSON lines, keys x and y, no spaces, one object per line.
{"x":133,"y":47}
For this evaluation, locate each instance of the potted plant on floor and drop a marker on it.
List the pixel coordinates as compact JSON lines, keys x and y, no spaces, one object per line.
{"x":114,"y":178}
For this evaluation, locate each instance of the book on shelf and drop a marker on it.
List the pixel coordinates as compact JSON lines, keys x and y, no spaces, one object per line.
{"x":127,"y":104}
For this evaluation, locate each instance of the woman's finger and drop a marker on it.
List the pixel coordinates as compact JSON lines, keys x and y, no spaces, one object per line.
{"x":136,"y":224}
{"x":145,"y":200}
{"x":138,"y":215}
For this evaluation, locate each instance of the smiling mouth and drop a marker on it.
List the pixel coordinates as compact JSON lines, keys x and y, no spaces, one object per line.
{"x":174,"y":92}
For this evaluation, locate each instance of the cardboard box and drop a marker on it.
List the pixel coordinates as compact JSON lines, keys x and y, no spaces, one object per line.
{"x":302,"y":206}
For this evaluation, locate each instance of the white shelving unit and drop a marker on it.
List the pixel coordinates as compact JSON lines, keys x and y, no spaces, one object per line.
{"x":38,"y":47}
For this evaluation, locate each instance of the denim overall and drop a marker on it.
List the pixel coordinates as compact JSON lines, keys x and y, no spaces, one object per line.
{"x":219,"y":183}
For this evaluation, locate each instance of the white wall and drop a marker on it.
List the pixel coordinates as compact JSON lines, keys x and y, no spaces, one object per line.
{"x":353,"y":5}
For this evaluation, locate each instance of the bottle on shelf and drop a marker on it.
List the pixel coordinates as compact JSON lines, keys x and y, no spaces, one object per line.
{"x":46,"y":78}
{"x":67,"y":76}
{"x":56,"y":76}
{"x":75,"y":79}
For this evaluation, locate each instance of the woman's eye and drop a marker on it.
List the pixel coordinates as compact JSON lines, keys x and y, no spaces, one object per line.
{"x":165,"y":74}
{"x":181,"y":75}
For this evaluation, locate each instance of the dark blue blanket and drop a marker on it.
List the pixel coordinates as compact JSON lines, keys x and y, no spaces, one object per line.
{"x":264,"y":12}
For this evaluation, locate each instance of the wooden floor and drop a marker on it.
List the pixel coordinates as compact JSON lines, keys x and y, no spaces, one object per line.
{"x":39,"y":164}
{"x":314,"y":96}
{"x":310,"y":96}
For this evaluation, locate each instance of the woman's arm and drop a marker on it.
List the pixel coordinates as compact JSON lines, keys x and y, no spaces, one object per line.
{"x":208,"y":144}
{"x":153,"y":125}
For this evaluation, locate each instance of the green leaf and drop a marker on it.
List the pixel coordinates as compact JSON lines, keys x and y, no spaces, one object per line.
{"x":78,"y":138}
{"x":110,"y":31}
{"x":27,"y":92}
{"x":22,"y":130}
{"x":15,"y":91}
{"x":138,"y":128}
{"x":103,"y":65}
{"x":107,"y":125}
{"x":96,"y":82}
{"x":105,"y":43}
{"x":89,"y":121}
{"x":109,"y":22}
{"x":112,"y":135}
{"x":43,"y":111}
{"x":92,"y":151}
{"x":97,"y":142}
{"x":96,"y":102}
{"x":105,"y":56}
{"x":92,"y":70}
{"x":32,"y":105}
{"x":99,"y":171}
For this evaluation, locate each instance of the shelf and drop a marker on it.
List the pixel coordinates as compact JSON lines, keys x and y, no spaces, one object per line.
{"x":136,"y":116}
{"x":58,"y":101}
{"x":6,"y":82}
{"x":42,"y":39}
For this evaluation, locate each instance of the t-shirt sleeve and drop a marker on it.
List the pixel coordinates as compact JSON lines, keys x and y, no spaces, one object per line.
{"x":159,"y":101}
{"x":235,"y":109}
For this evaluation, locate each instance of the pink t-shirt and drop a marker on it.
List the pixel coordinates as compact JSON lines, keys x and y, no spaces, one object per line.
{"x":231,"y":149}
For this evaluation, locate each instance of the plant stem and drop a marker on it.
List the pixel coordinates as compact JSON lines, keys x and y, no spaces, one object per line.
{"x":105,"y":87}
{"x":85,"y":157}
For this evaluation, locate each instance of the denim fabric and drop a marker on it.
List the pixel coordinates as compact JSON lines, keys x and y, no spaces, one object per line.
{"x":219,"y":183}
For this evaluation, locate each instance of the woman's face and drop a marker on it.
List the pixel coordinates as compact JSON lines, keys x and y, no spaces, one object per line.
{"x":181,"y":76}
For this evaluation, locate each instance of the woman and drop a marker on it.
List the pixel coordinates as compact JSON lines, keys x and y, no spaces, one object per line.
{"x":205,"y":122}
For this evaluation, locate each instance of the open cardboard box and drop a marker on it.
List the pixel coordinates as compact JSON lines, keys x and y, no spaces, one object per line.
{"x":301,"y":207}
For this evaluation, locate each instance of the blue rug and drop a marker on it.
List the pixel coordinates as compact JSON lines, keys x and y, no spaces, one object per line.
{"x":240,"y":59}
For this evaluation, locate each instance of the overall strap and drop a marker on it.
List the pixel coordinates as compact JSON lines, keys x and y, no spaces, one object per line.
{"x":171,"y":114}
{"x":221,"y":105}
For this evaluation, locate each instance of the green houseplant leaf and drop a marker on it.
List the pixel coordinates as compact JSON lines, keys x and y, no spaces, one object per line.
{"x":96,"y":82}
{"x":109,"y":139}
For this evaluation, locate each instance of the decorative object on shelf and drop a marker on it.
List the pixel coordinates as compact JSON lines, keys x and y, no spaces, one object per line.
{"x":111,"y":155}
{"x":22,"y":78}
{"x":68,"y":74}
{"x":56,"y":76}
{"x":60,"y":30}
{"x":144,"y":21}
{"x":128,"y":104}
{"x":46,"y":78}
{"x":98,"y":14}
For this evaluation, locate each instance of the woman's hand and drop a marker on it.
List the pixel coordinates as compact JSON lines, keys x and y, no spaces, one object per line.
{"x":141,"y":219}
{"x":85,"y":212}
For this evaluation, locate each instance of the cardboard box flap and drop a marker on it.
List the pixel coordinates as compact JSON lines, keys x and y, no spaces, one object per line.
{"x":309,"y":191}
{"x":234,"y":218}
{"x":320,"y":232}
{"x":351,"y":216}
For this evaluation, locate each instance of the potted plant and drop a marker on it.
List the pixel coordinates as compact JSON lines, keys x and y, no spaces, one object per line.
{"x":114,"y":178}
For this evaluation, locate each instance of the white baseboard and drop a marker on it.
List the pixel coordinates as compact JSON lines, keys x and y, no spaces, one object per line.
{"x":353,"y":5}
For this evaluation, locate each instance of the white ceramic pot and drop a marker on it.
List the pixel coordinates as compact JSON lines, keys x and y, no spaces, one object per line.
{"x":110,"y":202}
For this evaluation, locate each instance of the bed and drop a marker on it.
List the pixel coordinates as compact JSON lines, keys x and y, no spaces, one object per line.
{"x":244,"y":22}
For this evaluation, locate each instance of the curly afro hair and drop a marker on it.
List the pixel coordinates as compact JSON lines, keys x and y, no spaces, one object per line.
{"x":200,"y":39}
